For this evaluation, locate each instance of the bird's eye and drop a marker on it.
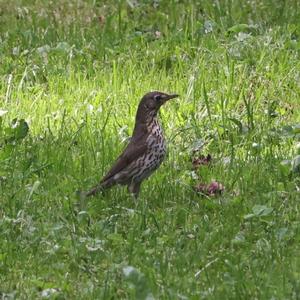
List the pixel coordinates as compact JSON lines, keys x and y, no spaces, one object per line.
{"x":157,"y":97}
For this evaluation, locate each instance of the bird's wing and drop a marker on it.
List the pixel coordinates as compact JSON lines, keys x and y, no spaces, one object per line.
{"x":130,"y":153}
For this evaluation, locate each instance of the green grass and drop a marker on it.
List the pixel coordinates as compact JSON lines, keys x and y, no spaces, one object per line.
{"x":75,"y":71}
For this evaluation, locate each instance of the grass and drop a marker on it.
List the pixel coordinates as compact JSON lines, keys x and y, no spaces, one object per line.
{"x":75,"y":73}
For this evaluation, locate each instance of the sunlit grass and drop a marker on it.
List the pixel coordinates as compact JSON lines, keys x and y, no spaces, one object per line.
{"x":75,"y":72}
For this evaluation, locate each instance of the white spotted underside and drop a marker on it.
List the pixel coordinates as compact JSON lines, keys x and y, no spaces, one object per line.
{"x":145,"y":165}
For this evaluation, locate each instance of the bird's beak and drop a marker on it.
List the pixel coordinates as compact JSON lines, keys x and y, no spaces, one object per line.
{"x":171,"y":96}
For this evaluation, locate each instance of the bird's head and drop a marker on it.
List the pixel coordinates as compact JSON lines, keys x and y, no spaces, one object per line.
{"x":151,"y":103}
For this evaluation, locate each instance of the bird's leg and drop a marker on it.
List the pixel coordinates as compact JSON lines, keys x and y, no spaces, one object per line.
{"x":134,"y":189}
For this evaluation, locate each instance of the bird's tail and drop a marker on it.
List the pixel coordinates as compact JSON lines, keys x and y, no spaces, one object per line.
{"x":99,"y":188}
{"x":82,"y":195}
{"x":95,"y":190}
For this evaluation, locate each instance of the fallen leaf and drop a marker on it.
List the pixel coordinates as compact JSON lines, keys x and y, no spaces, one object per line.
{"x":210,"y":189}
{"x":101,"y":20}
{"x":201,"y":160}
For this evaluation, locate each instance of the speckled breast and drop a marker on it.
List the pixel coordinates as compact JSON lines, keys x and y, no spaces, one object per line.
{"x":155,"y":154}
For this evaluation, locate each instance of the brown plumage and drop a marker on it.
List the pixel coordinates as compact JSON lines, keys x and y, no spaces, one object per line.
{"x":145,"y":151}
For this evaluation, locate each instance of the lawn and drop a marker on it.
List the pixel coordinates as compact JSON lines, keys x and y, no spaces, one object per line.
{"x":71,"y":76}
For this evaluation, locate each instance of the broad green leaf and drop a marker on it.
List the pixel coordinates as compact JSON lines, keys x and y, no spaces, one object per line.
{"x":139,"y":282}
{"x":285,"y":167}
{"x":239,"y":27}
{"x":198,"y":144}
{"x":296,"y":164}
{"x":63,"y":46}
{"x":261,"y":210}
{"x":281,"y":233}
{"x":17,"y":131}
{"x":296,"y":128}
{"x":43,"y":50}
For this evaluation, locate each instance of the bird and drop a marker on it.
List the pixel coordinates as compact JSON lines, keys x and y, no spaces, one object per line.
{"x":145,"y":151}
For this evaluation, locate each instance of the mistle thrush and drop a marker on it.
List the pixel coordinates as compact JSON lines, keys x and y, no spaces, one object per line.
{"x":145,"y":151}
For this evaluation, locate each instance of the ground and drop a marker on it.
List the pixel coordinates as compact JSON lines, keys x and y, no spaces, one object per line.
{"x":71,"y":76}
